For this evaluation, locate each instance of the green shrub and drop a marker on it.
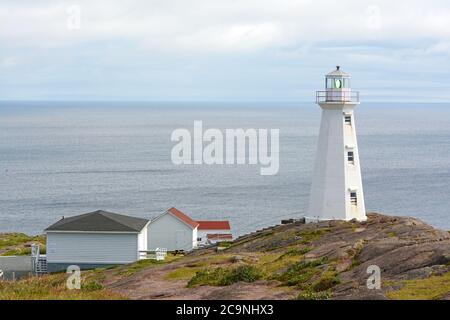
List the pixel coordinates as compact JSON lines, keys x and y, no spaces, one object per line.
{"x":243,"y":273}
{"x":326,"y":283}
{"x":92,"y":286}
{"x":206,"y":277}
{"x":300,"y":272}
{"x":225,"y":277}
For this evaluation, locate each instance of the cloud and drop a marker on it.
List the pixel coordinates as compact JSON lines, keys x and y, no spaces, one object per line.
{"x":250,"y":49}
{"x":9,"y":62}
{"x":442,"y":47}
{"x":212,"y":25}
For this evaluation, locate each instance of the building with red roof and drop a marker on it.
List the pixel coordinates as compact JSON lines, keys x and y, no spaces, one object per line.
{"x":212,"y":231}
{"x":175,"y":230}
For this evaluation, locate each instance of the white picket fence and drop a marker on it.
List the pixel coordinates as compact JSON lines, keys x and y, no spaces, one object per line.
{"x":158,"y":254}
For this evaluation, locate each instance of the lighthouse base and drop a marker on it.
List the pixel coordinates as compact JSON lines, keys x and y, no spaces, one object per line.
{"x":316,"y":219}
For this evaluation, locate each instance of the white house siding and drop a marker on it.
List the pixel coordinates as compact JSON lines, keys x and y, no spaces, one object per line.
{"x":92,"y":248}
{"x":194,"y":237}
{"x":142,"y":240}
{"x":169,"y":232}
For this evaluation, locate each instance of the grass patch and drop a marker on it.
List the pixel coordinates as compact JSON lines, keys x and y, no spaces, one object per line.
{"x":92,"y":286}
{"x":18,"y":243}
{"x":182,"y":273}
{"x":296,"y":252}
{"x":130,"y":269}
{"x":53,"y":287}
{"x":432,"y":288}
{"x":25,"y":251}
{"x":311,"y":235}
{"x":271,"y":264}
{"x":392,"y":235}
{"x":225,"y":277}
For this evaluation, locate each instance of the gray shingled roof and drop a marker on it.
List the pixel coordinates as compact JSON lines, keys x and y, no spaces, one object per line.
{"x":99,"y":221}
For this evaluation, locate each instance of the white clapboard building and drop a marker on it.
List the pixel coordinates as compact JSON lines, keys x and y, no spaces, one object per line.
{"x":172,"y":230}
{"x":95,"y":239}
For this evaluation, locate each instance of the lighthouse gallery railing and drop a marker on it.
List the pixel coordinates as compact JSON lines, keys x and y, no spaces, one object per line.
{"x":337,"y":96}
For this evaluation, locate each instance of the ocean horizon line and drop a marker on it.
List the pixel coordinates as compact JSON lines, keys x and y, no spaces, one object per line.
{"x":203,"y":101}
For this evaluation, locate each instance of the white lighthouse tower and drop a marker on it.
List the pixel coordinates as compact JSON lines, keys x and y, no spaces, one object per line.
{"x":337,"y":192}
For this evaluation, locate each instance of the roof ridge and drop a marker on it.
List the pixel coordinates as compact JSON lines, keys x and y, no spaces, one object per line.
{"x":113,"y":216}
{"x":183,"y":217}
{"x":100,"y":220}
{"x":101,"y":212}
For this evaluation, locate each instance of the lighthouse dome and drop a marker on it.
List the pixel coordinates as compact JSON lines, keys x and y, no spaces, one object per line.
{"x":338,"y":73}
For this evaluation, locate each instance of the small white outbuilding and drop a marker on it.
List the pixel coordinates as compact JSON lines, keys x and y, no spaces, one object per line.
{"x":95,"y":239}
{"x":172,"y":230}
{"x":211,"y":232}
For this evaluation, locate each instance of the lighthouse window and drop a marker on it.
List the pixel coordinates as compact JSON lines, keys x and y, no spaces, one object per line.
{"x":351,"y":157}
{"x":348,"y":120}
{"x":353,"y":198}
{"x":329,"y":83}
{"x":346,"y":83}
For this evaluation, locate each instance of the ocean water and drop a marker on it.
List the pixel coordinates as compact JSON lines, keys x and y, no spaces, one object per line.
{"x":67,"y":158}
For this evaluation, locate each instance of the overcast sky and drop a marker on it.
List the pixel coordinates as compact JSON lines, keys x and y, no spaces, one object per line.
{"x":222,"y":50}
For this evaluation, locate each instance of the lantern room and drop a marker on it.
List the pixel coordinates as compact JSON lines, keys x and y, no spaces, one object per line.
{"x":337,"y":80}
{"x":337,"y":89}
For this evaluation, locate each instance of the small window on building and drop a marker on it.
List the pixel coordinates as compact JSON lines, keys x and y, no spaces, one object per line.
{"x":199,"y":239}
{"x":348,"y":120}
{"x":353,"y":198}
{"x":351,"y":157}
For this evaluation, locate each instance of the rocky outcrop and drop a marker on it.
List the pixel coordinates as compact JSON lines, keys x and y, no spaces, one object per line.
{"x":404,"y":249}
